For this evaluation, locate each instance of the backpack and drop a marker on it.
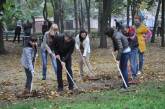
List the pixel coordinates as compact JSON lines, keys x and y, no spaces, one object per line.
{"x":148,"y":35}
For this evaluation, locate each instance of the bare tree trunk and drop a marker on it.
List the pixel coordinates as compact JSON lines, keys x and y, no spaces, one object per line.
{"x":45,"y":12}
{"x":163,"y":23}
{"x":155,"y":23}
{"x":133,"y":11}
{"x":33,"y":25}
{"x":55,"y":5}
{"x":87,"y":3}
{"x":104,"y":22}
{"x":128,"y":6}
{"x":82,"y":16}
{"x":61,"y":15}
{"x":76,"y":16}
{"x":99,"y":16}
{"x":109,"y":11}
{"x":2,"y":48}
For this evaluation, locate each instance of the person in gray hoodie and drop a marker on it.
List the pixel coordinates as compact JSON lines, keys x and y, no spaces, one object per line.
{"x":121,"y":45}
{"x":27,"y":61}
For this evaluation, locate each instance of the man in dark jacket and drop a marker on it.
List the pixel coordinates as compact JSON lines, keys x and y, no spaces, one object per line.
{"x":27,"y":28}
{"x":64,"y":47}
{"x":121,"y":45}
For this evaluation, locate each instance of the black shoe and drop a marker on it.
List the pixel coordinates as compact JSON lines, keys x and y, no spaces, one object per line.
{"x":60,"y":90}
{"x":44,"y":78}
{"x":71,"y":88}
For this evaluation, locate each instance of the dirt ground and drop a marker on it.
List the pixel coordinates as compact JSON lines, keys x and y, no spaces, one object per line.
{"x":12,"y":77}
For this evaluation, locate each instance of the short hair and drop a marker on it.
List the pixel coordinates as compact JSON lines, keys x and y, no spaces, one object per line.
{"x":69,"y":35}
{"x":109,"y":32}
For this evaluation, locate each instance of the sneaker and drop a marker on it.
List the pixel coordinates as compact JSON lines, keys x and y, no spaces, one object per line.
{"x":139,"y":72}
{"x":123,"y":90}
{"x":71,"y":88}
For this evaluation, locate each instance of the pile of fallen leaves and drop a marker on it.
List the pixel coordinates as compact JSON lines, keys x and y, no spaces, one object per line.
{"x":13,"y":77}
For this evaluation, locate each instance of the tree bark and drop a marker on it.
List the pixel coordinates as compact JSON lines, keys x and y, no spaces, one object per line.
{"x":133,"y":11}
{"x":2,"y":48}
{"x":163,"y":23}
{"x":107,"y":4}
{"x":55,"y":6}
{"x":45,"y":12}
{"x":109,"y":11}
{"x":76,"y":15}
{"x":128,"y":6}
{"x":87,"y":3}
{"x":61,"y":15}
{"x":82,"y":16}
{"x":155,"y":23}
{"x":100,"y":14}
{"x":33,"y":25}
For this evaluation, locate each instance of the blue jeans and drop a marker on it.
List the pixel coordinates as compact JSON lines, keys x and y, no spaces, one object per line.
{"x":123,"y":66}
{"x":141,"y":61}
{"x":133,"y":61}
{"x":44,"y":54}
{"x":29,"y":78}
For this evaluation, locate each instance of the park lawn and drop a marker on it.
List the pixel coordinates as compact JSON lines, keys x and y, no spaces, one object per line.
{"x":150,"y":95}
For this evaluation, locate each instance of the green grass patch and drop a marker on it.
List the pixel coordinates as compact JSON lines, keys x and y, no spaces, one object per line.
{"x":147,"y":96}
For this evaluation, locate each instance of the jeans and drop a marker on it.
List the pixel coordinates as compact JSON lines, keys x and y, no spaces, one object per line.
{"x":133,"y":61}
{"x":141,"y":61}
{"x":68,"y":64}
{"x":123,"y":67}
{"x":29,"y":78}
{"x":44,"y":54}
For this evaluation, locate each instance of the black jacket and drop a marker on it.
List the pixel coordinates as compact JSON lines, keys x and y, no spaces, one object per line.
{"x":62,"y":48}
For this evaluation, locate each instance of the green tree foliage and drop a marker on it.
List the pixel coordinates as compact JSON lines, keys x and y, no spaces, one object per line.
{"x":11,"y":14}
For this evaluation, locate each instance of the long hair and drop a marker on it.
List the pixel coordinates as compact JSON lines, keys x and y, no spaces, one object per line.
{"x":53,"y":29}
{"x":81,"y":38}
{"x":32,"y":39}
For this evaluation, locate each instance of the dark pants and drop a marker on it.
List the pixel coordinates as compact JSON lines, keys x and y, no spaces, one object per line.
{"x":141,"y":61}
{"x":159,"y":31}
{"x":68,"y":64}
{"x":123,"y":66}
{"x":17,"y":34}
{"x":29,"y":78}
